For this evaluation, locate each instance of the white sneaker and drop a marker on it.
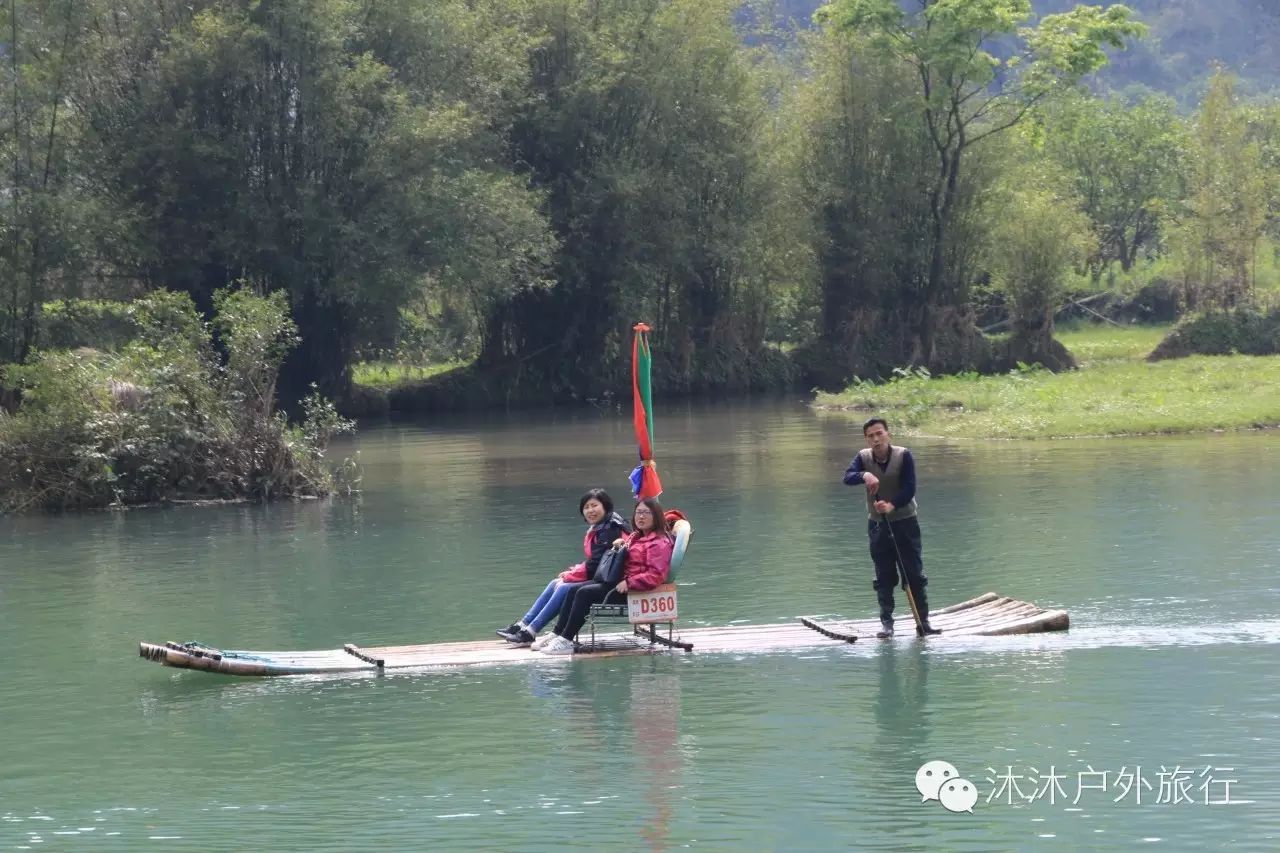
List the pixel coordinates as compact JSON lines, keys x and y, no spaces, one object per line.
{"x":540,"y":642}
{"x":557,"y":645}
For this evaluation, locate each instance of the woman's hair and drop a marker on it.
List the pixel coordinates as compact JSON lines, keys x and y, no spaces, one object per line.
{"x":599,"y":495}
{"x":659,"y":516}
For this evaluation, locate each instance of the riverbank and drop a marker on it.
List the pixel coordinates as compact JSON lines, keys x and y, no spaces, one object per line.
{"x":1115,"y":392}
{"x":381,"y":389}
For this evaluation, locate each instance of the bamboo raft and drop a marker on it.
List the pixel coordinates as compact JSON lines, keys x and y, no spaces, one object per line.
{"x":986,"y":615}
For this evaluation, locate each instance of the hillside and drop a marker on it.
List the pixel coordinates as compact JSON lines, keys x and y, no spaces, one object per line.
{"x":1187,"y":38}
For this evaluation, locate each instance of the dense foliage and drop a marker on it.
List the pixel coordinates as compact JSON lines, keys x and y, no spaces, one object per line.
{"x":163,"y":418}
{"x":512,"y":183}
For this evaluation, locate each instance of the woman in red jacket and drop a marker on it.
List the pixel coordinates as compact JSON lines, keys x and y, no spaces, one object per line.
{"x":648,"y":564}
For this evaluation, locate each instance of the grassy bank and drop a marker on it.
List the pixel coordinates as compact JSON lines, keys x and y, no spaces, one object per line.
{"x":389,"y":374}
{"x":1115,"y":392}
{"x":381,"y":388}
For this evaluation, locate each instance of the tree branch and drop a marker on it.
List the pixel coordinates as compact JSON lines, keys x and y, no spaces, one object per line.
{"x":1008,"y":124}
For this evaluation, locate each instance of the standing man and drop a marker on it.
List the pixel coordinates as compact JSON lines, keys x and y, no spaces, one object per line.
{"x":889,"y":473}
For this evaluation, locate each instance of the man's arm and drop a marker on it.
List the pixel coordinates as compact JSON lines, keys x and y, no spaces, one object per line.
{"x":907,"y":478}
{"x":853,"y":474}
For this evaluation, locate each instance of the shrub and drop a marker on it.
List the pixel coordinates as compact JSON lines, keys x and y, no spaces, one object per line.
{"x":1248,"y":331}
{"x":162,"y":418}
{"x":71,"y":323}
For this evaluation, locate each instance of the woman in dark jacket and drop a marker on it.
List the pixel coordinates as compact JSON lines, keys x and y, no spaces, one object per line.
{"x":605,"y":526}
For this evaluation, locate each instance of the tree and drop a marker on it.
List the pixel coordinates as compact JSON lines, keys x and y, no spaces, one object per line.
{"x":966,"y":92}
{"x":645,"y":125}
{"x":1264,"y":123}
{"x":1040,"y":234}
{"x":269,"y":142}
{"x":1126,"y":161}
{"x":1225,"y":214}
{"x":860,"y":162}
{"x":44,"y":215}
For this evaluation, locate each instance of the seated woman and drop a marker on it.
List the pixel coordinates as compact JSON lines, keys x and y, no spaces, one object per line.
{"x":605,"y":526}
{"x":648,"y":563}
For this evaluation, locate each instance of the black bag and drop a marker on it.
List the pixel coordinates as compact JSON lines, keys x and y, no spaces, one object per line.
{"x":612,"y":566}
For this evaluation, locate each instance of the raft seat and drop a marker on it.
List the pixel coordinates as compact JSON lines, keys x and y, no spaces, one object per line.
{"x":649,"y":610}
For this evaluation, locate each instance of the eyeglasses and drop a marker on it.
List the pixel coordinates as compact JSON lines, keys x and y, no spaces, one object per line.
{"x":644,"y":512}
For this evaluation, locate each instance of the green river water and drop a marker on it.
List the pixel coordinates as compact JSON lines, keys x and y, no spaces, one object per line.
{"x":1165,"y":552}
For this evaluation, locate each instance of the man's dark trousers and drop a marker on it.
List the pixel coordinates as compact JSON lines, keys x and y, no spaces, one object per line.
{"x":906,"y":532}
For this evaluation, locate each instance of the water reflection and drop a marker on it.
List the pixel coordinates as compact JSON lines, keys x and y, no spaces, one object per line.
{"x":902,"y":714}
{"x":901,"y":704}
{"x":628,"y":719}
{"x":655,"y":715}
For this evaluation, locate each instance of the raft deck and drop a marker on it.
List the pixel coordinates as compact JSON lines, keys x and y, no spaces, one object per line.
{"x":986,"y":615}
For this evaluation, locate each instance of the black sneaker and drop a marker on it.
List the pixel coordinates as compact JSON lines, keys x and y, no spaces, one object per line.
{"x":523,"y":637}
{"x":509,"y":633}
{"x":929,"y":631}
{"x":885,"y":632}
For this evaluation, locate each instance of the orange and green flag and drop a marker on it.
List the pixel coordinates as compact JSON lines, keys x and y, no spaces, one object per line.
{"x":644,"y":479}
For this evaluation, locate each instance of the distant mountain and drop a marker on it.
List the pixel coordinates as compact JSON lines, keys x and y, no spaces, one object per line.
{"x":1187,"y":37}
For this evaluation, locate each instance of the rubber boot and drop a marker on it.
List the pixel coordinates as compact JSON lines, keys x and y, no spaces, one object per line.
{"x":922,"y":604}
{"x":885,"y":597}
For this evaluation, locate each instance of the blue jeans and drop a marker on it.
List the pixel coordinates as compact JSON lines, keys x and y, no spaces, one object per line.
{"x":548,"y":604}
